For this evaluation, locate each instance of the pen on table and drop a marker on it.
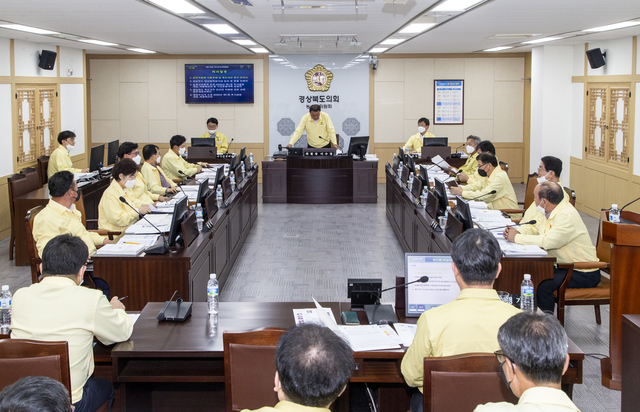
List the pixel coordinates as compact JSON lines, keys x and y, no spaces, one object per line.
{"x":131,"y":243}
{"x":123,"y":298}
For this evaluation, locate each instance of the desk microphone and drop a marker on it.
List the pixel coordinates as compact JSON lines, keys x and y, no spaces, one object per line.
{"x":463,"y":144}
{"x":155,"y":249}
{"x":493,"y":192}
{"x":531,"y":222}
{"x":384,"y":314}
{"x":229,"y":145}
{"x":185,"y":175}
{"x":175,"y":312}
{"x":633,"y":201}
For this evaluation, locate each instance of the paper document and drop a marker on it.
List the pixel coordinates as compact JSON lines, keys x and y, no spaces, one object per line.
{"x":514,"y":249}
{"x":161,"y":221}
{"x":370,"y":337}
{"x":134,"y":317}
{"x":120,"y":250}
{"x":440,"y":162}
{"x":146,"y":240}
{"x":406,"y":332}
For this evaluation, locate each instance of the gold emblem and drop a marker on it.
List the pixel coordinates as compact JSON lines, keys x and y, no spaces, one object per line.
{"x":318,"y":79}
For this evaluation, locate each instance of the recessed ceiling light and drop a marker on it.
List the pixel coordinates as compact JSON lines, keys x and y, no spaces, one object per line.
{"x":393,"y":41}
{"x":456,"y":5}
{"x":378,"y":49}
{"x":98,"y":42}
{"x":28,"y":29}
{"x":542,"y":40}
{"x":498,"y":48}
{"x":221,"y":28}
{"x":243,"y":42}
{"x":177,"y":6}
{"x":615,"y":26}
{"x":417,"y":28}
{"x":259,"y":50}
{"x":138,"y":50}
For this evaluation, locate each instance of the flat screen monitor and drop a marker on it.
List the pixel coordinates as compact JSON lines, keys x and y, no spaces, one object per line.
{"x":396,"y":163}
{"x":243,"y":153}
{"x":210,"y":206}
{"x":411,"y":165}
{"x":435,"y":141}
{"x":97,"y":157}
{"x":404,"y":176}
{"x":112,"y":152}
{"x":203,"y":188}
{"x":416,"y":189}
{"x":179,"y":214}
{"x":218,"y":83}
{"x":401,"y":154}
{"x":247,"y":164}
{"x":440,"y":190}
{"x":219,"y":176}
{"x":226,"y":189}
{"x":358,"y":146}
{"x":463,"y":212}
{"x":235,"y":162}
{"x":441,"y":287}
{"x":424,"y":176}
{"x":203,"y":141}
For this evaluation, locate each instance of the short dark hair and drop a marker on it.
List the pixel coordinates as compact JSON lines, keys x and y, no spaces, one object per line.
{"x":149,"y":150}
{"x":537,"y":343}
{"x":488,"y":158}
{"x":314,"y":365}
{"x":64,"y":135}
{"x":125,"y":167}
{"x":35,"y":393}
{"x":476,"y":254}
{"x":126,"y":148}
{"x":314,"y":108}
{"x":486,"y":146}
{"x":60,"y":183}
{"x":424,"y":119}
{"x":550,"y":191}
{"x":212,"y":120}
{"x":177,"y":140}
{"x":552,"y":163}
{"x":476,"y":139}
{"x":64,"y":255}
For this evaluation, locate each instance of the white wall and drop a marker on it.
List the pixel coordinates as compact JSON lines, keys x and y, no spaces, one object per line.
{"x":6,"y":161}
{"x":72,"y":113}
{"x":5,"y":58}
{"x":619,"y":57}
{"x":26,"y":59}
{"x":71,"y":59}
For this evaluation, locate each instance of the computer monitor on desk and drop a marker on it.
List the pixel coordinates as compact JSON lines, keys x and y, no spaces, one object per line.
{"x":463,"y":213}
{"x":112,"y":153}
{"x":203,"y":141}
{"x":435,"y":141}
{"x":179,"y":214}
{"x":441,"y":287}
{"x":358,"y":146}
{"x":440,"y":190}
{"x":97,"y":157}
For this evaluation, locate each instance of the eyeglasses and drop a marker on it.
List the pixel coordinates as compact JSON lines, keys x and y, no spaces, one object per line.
{"x":502,"y":359}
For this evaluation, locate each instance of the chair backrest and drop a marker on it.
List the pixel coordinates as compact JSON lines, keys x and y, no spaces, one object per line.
{"x":532,"y":182}
{"x":34,"y":257}
{"x":504,"y":166}
{"x":80,"y":208}
{"x":32,"y":177}
{"x":20,"y":358}
{"x":572,"y":195}
{"x":43,"y":169}
{"x":18,"y":186}
{"x":603,"y":249}
{"x":478,"y":374}
{"x":246,"y":385}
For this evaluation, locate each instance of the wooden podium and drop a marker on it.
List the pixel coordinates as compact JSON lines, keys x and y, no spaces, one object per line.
{"x":625,"y":288}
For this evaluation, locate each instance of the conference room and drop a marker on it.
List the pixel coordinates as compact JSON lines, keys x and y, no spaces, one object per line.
{"x":517,"y":76}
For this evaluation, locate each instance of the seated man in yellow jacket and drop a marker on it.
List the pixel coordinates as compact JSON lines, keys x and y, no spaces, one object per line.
{"x":471,"y":165}
{"x":548,"y":171}
{"x":155,"y":179}
{"x":414,"y":144}
{"x":564,"y":236}
{"x":497,"y":180}
{"x":140,"y":194}
{"x":60,"y":216}
{"x":221,"y":139}
{"x":319,"y":128}
{"x":472,"y":177}
{"x":60,"y":159}
{"x":113,"y":214}
{"x":174,"y":166}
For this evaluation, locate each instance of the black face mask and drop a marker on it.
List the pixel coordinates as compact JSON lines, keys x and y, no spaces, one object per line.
{"x":504,"y":378}
{"x":77,"y":195}
{"x":482,"y":172}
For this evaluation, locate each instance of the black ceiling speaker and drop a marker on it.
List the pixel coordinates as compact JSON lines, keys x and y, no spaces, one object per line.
{"x":596,"y":58}
{"x":47,"y":59}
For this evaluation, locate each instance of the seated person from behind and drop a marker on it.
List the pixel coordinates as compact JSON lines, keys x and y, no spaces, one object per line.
{"x":497,"y":179}
{"x":174,"y":166}
{"x":414,"y":144}
{"x":60,"y":159}
{"x":469,"y":323}
{"x":140,"y":194}
{"x":113,"y":214}
{"x":548,"y":171}
{"x":533,"y":357}
{"x":35,"y":394}
{"x":221,"y":139}
{"x":60,"y":216}
{"x":58,"y":309}
{"x":471,"y":165}
{"x":473,"y":179}
{"x":157,"y":182}
{"x":562,"y":234}
{"x":319,"y":128}
{"x":313,"y":367}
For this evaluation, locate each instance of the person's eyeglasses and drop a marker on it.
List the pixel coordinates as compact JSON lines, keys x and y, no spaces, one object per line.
{"x":502,"y":359}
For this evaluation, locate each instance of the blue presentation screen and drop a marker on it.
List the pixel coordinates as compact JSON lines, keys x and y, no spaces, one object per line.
{"x":218,"y":83}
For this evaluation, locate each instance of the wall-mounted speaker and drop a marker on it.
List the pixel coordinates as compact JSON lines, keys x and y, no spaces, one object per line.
{"x":596,"y":58}
{"x":47,"y":59}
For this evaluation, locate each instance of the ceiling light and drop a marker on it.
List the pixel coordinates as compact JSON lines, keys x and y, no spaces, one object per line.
{"x":98,"y":42}
{"x":378,"y":49}
{"x":28,"y":29}
{"x":417,"y":27}
{"x":500,"y":48}
{"x":177,"y":6}
{"x":456,"y":5}
{"x":221,"y":28}
{"x":138,"y":50}
{"x":615,"y":26}
{"x":259,"y":50}
{"x":542,"y":40}
{"x":393,"y":41}
{"x":243,"y":42}
{"x":278,"y":60}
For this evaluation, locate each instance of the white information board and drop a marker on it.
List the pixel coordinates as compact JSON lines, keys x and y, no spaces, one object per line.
{"x":448,"y":102}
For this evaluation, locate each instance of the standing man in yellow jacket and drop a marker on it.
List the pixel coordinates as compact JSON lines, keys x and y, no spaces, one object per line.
{"x":221,"y":139}
{"x":174,"y":166}
{"x":320,"y":130}
{"x":415,"y":142}
{"x":155,"y":179}
{"x":60,"y":159}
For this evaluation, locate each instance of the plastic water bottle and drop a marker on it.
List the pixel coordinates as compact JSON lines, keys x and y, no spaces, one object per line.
{"x":251,"y":159}
{"x":243,"y":170}
{"x":400,"y":166}
{"x":219,"y":195}
{"x":212,"y":294}
{"x":5,"y":308}
{"x":232,"y":175}
{"x":614,"y":214}
{"x":526,"y":294}
{"x":446,"y":213}
{"x":425,"y":194}
{"x":199,"y":217}
{"x":410,"y":181}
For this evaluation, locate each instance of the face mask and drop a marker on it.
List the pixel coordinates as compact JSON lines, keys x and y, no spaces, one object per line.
{"x":470,"y":149}
{"x":77,"y":195}
{"x":212,"y":132}
{"x":421,"y":129}
{"x":541,"y":209}
{"x":136,"y":159}
{"x":482,"y":172}
{"x":182,"y":150}
{"x":69,"y":149}
{"x":158,"y":159}
{"x":542,"y":179}
{"x":504,"y":378}
{"x":130,"y":184}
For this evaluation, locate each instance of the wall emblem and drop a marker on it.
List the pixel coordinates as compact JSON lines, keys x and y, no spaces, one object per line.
{"x":318,"y":79}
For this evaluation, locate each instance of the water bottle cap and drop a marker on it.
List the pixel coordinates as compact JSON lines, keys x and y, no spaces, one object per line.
{"x":5,"y":288}
{"x":614,"y":206}
{"x":527,"y":276}
{"x":212,"y":276}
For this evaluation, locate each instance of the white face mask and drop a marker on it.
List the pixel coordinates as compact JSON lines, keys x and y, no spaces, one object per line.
{"x":541,"y":209}
{"x":136,"y":159}
{"x":212,"y":132}
{"x":470,"y":149}
{"x":421,"y":129}
{"x":158,"y":159}
{"x":542,"y":179}
{"x":130,"y":184}
{"x":182,"y":150}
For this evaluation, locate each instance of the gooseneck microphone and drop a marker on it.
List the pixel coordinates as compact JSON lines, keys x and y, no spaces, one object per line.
{"x":229,"y":145}
{"x":531,"y":222}
{"x":493,"y":192}
{"x":630,"y":203}
{"x":151,"y":250}
{"x":378,"y":314}
{"x":423,"y":279}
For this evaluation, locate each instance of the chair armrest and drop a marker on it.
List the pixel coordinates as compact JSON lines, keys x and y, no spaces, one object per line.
{"x":511,"y":211}
{"x":108,"y":233}
{"x":578,"y":266}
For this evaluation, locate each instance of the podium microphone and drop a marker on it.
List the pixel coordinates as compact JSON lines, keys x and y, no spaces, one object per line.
{"x":229,"y":145}
{"x":155,"y":249}
{"x":630,"y":203}
{"x":531,"y":222}
{"x":493,"y":192}
{"x":384,"y":314}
